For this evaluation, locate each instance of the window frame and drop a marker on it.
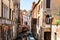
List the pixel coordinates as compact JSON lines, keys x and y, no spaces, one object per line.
{"x":5,"y":9}
{"x":48,"y":3}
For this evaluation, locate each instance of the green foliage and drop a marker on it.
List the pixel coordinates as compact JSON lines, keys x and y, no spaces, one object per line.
{"x":57,"y":22}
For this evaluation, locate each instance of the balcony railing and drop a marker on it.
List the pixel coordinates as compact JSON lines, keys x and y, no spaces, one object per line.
{"x":6,"y":21}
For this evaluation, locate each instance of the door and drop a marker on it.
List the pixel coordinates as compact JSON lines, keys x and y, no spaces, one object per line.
{"x":47,"y":35}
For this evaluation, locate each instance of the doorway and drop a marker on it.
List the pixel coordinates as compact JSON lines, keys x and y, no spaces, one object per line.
{"x":47,"y":35}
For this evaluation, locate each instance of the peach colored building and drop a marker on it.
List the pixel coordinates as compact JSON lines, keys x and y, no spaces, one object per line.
{"x":52,"y":9}
{"x":34,"y":19}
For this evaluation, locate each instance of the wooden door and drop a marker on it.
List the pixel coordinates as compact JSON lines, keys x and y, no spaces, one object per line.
{"x":47,"y":35}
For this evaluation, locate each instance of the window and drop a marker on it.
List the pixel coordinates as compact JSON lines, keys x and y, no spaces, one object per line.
{"x":12,"y":15}
{"x":5,"y":11}
{"x":18,"y":6}
{"x":9,"y":13}
{"x":47,"y":19}
{"x":38,"y":20}
{"x":41,"y":4}
{"x":39,"y":7}
{"x":47,"y":3}
{"x":0,"y":11}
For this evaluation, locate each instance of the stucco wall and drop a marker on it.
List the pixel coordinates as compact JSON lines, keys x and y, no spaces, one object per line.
{"x":6,"y":2}
{"x":55,"y":8}
{"x":55,"y":29}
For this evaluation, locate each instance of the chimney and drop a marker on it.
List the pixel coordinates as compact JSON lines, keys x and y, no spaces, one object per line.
{"x":33,"y":4}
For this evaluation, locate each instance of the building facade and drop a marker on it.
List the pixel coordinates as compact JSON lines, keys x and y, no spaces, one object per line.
{"x":50,"y":10}
{"x":34,"y":19}
{"x":24,"y":28}
{"x":24,"y":17}
{"x":44,"y":11}
{"x":8,"y":22}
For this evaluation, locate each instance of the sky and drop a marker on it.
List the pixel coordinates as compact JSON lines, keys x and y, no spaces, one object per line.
{"x":26,"y":4}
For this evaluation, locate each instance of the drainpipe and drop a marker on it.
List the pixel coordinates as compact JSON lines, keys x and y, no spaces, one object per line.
{"x":55,"y":36}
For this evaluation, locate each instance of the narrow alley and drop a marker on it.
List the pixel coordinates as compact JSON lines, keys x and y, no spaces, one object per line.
{"x":29,"y":19}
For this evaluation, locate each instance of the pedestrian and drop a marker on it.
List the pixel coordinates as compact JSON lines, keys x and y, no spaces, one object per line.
{"x":24,"y":37}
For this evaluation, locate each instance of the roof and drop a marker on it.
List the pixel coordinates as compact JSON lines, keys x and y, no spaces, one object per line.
{"x":35,"y":5}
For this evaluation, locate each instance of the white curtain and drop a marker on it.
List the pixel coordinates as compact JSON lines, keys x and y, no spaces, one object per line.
{"x":5,"y":12}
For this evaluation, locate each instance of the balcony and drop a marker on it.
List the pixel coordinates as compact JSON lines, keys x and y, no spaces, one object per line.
{"x":47,"y":26}
{"x":6,"y":21}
